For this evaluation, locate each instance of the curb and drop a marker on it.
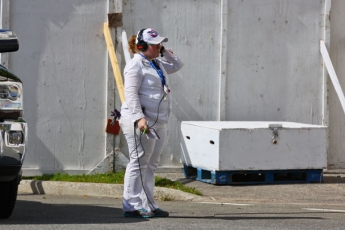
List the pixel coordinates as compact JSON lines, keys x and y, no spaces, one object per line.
{"x":334,"y":171}
{"x":96,"y":189}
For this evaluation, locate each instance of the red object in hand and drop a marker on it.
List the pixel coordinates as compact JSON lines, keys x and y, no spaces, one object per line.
{"x":112,"y":129}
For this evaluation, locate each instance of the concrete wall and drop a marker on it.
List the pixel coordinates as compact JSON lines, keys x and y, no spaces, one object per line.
{"x":336,"y":155}
{"x":274,"y":70}
{"x":194,"y":34}
{"x":244,"y":60}
{"x":62,"y":61}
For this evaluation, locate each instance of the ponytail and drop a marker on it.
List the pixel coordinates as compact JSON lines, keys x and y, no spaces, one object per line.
{"x":132,"y":47}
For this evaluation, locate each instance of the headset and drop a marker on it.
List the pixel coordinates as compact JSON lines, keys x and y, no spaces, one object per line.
{"x":141,"y":44}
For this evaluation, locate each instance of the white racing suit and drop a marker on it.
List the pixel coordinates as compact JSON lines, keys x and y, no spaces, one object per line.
{"x":144,"y":93}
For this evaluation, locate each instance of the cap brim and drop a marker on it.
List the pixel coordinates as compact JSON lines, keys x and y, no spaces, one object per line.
{"x":157,"y":40}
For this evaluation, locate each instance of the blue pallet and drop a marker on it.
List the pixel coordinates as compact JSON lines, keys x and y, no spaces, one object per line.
{"x":254,"y":177}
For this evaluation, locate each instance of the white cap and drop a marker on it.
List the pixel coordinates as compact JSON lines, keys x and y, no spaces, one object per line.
{"x":151,"y":36}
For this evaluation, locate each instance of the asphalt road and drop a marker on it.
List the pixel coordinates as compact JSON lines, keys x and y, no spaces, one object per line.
{"x":289,"y":206}
{"x":84,"y":212}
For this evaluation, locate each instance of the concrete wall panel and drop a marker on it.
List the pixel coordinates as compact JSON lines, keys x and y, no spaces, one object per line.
{"x":336,"y":155}
{"x":268,"y":52}
{"x":193,"y":29}
{"x":62,"y":62}
{"x":274,"y":65}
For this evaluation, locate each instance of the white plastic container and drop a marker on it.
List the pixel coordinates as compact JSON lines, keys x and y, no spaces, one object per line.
{"x":235,"y":146}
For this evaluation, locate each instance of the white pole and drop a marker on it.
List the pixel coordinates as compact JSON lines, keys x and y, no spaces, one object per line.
{"x":223,"y":65}
{"x":125,"y":46}
{"x":332,"y":73}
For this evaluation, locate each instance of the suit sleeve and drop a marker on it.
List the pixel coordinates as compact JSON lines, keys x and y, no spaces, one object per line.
{"x":133,"y":78}
{"x":171,"y":63}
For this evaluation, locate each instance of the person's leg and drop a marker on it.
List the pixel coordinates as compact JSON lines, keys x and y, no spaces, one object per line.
{"x":147,"y":196}
{"x":136,"y":167}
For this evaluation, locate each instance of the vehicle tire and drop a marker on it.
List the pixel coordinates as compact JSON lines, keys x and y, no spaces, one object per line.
{"x":8,"y":197}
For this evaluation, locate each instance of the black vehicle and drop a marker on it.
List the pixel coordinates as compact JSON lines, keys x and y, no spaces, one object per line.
{"x":13,"y":129}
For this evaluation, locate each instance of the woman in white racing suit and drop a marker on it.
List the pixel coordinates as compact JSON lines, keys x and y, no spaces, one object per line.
{"x":144,"y":118}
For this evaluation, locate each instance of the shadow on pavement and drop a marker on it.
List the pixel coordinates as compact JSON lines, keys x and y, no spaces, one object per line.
{"x":32,"y":212}
{"x":334,"y":179}
{"x":35,"y":213}
{"x":329,"y":179}
{"x":248,"y":217}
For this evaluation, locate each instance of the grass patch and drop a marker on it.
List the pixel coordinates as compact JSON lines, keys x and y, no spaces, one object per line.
{"x":166,"y":183}
{"x":167,"y":198}
{"x":112,"y":178}
{"x":109,"y":178}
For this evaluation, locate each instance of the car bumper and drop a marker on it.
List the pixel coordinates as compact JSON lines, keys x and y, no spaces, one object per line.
{"x":11,"y":154}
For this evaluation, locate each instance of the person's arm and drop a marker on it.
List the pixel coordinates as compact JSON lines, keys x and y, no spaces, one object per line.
{"x":171,"y":63}
{"x":133,"y":78}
